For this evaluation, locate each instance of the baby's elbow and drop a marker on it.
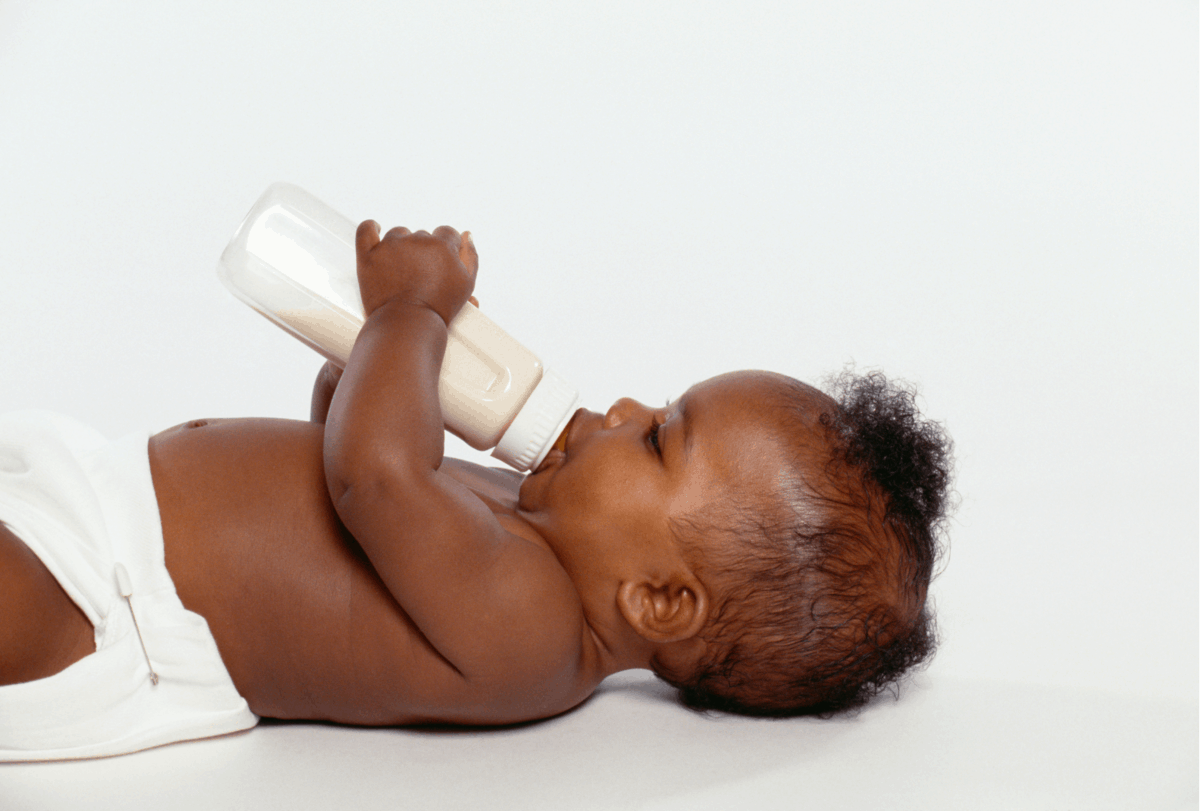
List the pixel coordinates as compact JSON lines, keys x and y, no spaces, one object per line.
{"x":359,"y":485}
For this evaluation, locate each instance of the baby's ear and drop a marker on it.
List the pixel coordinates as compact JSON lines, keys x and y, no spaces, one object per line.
{"x":664,"y":612}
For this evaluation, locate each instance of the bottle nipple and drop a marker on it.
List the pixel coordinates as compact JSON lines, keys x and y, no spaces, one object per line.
{"x":560,"y":444}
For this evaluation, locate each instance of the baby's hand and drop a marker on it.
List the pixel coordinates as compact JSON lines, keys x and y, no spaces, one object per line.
{"x":433,"y":270}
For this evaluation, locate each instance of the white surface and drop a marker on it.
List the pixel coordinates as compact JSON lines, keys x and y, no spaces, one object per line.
{"x":997,"y":200}
{"x":947,"y":743}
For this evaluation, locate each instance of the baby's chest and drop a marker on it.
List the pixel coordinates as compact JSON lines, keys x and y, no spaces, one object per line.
{"x":493,"y":484}
{"x":499,"y":489}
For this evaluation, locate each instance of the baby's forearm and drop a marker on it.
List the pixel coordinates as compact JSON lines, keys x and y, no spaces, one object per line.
{"x":385,"y":417}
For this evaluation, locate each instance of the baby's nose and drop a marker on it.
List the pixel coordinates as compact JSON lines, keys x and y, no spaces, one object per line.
{"x":621,"y":411}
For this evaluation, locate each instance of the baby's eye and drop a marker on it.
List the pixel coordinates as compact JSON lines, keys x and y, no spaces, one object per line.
{"x":654,"y":426}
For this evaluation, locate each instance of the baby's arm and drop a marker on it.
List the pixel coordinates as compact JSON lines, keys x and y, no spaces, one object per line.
{"x":326,"y":384}
{"x":323,"y":388}
{"x":499,"y":610}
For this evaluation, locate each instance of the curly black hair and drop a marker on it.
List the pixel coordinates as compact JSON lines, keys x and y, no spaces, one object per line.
{"x":825,"y":606}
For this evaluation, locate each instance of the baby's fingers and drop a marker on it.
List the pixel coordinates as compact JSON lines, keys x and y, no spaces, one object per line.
{"x":468,"y":255}
{"x":367,"y":236}
{"x":461,"y":244}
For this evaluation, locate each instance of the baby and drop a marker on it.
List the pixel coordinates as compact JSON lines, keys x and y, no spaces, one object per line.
{"x":762,"y":546}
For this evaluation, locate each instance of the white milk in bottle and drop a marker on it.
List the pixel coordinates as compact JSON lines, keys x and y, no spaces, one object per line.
{"x":292,"y":259}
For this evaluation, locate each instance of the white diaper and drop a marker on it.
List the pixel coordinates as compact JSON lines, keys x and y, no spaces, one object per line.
{"x":84,"y":504}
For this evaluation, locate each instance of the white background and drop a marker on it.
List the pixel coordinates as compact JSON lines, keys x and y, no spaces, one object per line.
{"x":994,"y":200}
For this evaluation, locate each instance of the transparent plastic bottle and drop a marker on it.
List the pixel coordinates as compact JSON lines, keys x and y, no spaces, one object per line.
{"x":292,"y":259}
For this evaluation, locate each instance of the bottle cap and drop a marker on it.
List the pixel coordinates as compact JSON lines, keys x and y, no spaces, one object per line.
{"x":538,"y":423}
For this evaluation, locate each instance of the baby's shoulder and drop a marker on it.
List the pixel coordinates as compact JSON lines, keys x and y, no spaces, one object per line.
{"x":564,"y":644}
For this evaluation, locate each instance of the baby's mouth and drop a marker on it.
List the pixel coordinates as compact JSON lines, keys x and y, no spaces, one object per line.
{"x":560,"y":444}
{"x":558,"y":451}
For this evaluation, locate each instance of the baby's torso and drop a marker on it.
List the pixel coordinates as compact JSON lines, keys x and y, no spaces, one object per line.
{"x":304,"y":625}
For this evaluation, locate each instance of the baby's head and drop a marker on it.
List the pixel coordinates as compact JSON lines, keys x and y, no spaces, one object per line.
{"x":821,"y":587}
{"x":768,"y":547}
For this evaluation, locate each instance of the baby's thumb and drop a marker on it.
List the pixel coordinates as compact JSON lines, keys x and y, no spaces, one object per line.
{"x":367,"y":236}
{"x":467,"y":253}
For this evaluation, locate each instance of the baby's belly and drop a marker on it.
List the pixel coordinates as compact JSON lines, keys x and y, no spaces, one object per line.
{"x":255,"y":546}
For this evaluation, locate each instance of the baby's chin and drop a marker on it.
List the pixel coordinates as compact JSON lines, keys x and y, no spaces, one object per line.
{"x":531,"y":494}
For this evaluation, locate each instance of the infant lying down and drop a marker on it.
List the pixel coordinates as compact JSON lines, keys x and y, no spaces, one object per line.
{"x":764,"y":547}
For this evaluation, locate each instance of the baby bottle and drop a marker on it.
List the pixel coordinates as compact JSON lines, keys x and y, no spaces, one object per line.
{"x":292,"y":259}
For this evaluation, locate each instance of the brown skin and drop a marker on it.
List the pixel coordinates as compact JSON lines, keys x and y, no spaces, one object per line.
{"x":41,"y":629}
{"x":350,"y":573}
